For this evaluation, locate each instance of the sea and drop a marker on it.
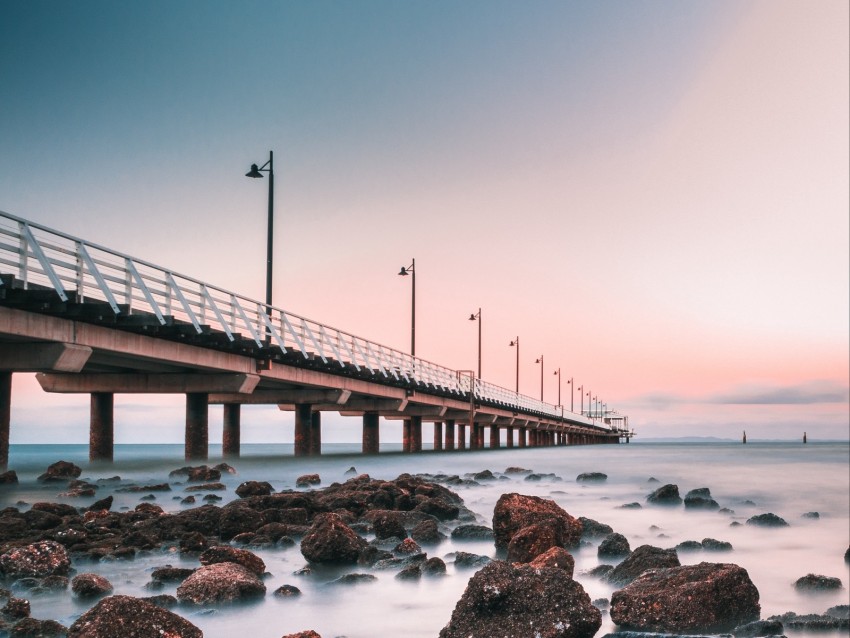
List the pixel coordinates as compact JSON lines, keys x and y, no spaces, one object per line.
{"x":790,"y":479}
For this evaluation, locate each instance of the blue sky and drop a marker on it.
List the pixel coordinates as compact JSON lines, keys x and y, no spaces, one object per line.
{"x":653,"y":195}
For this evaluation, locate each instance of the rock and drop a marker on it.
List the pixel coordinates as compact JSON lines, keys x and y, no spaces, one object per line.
{"x":353,"y":579}
{"x":515,"y":511}
{"x":665,"y":495}
{"x":812,"y":622}
{"x":516,"y":470}
{"x":767,"y":520}
{"x":199,"y":473}
{"x":591,"y":477}
{"x":193,"y":542}
{"x":169,"y":574}
{"x":306,"y":480}
{"x":45,"y":558}
{"x":434,"y":566}
{"x":227,"y":554}
{"x":303,"y":634}
{"x":467,"y":559}
{"x":427,"y":532}
{"x":32,"y":628}
{"x":388,"y":524}
{"x":714,"y":545}
{"x":125,"y":616}
{"x":700,"y":498}
{"x":533,"y":540}
{"x":812,"y":515}
{"x":225,"y":468}
{"x":9,"y":478}
{"x":352,"y":471}
{"x":759,"y":628}
{"x":60,"y":471}
{"x":541,"y":477}
{"x":689,"y":546}
{"x":816,"y":582}
{"x":102,"y":504}
{"x":254,"y":488}
{"x":157,"y":487}
{"x":613,"y":546}
{"x":555,"y":557}
{"x":472,"y":532}
{"x":411,"y":572}
{"x":206,"y":487}
{"x":601,"y":571}
{"x":89,"y":585}
{"x":847,"y":556}
{"x":220,"y":583}
{"x":522,"y":602}
{"x":839,"y":611}
{"x":594,"y":529}
{"x":16,"y":608}
{"x":287,"y":591}
{"x":407,"y":547}
{"x":439,"y":508}
{"x":641,"y":559}
{"x":329,"y":540}
{"x":630,"y":506}
{"x":238,"y":518}
{"x":709,"y":597}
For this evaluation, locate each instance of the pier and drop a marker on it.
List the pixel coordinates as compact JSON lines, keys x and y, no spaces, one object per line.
{"x":90,"y":320}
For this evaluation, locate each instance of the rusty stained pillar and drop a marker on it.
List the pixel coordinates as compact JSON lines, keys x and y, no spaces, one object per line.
{"x":461,"y":436}
{"x":510,"y":437}
{"x":522,"y":437}
{"x":101,"y":426}
{"x":438,"y":435}
{"x":480,"y":436}
{"x":5,"y":417}
{"x":494,"y":437}
{"x":315,"y":434}
{"x":405,"y":435}
{"x":197,"y":426}
{"x":450,"y":434}
{"x":303,"y":425}
{"x":371,"y":433}
{"x":416,"y":434}
{"x":231,"y":430}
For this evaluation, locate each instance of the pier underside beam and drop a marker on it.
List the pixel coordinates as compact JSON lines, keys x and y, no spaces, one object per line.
{"x":140,"y":383}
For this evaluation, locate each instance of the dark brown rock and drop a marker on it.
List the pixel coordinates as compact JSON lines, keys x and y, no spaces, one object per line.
{"x":33,"y":628}
{"x":767,"y":520}
{"x":287,"y":591}
{"x":306,"y":480}
{"x":555,"y":557}
{"x":533,"y":540}
{"x":709,"y":597}
{"x":515,"y":511}
{"x":594,"y":529}
{"x":198,"y":473}
{"x":388,"y":524}
{"x":169,"y":574}
{"x":522,"y":602}
{"x":330,"y":540}
{"x":125,"y":616}
{"x":16,"y":608}
{"x":220,"y":583}
{"x":665,"y":495}
{"x":44,"y":558}
{"x":206,"y":487}
{"x":426,"y":532}
{"x":60,"y":471}
{"x":643,"y":558}
{"x":227,"y":554}
{"x":303,"y":634}
{"x":237,"y":518}
{"x":613,"y":546}
{"x":9,"y":478}
{"x":816,"y":582}
{"x":89,"y":585}
{"x":254,"y":488}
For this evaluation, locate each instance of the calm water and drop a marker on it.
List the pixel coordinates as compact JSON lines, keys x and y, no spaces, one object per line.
{"x":788,"y":479}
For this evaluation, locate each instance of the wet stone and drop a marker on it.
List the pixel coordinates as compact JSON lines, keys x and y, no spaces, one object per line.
{"x":817,"y":582}
{"x":767,"y":520}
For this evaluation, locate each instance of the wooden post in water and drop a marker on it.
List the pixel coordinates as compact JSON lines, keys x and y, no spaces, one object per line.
{"x":804,"y":438}
{"x":745,"y":437}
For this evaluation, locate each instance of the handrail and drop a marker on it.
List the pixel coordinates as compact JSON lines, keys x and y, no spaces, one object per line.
{"x":38,"y":255}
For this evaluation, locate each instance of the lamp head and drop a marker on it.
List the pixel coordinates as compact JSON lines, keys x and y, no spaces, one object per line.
{"x":403,"y":272}
{"x":513,"y":343}
{"x":538,"y":360}
{"x":254,"y":172}
{"x":472,"y":317}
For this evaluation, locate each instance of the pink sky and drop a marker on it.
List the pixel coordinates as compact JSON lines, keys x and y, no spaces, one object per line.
{"x":655,"y":198}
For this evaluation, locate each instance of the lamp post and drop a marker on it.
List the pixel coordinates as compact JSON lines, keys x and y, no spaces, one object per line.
{"x":540,"y":361}
{"x":558,"y":374}
{"x":404,"y":272}
{"x":515,"y":342}
{"x":572,"y":385}
{"x":255,"y":172}
{"x":473,"y":317}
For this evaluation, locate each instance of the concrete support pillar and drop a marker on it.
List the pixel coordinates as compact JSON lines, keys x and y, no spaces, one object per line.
{"x":494,"y":437}
{"x":101,"y":426}
{"x":532,"y":438}
{"x":371,"y":433}
{"x":450,"y":434}
{"x":438,"y":435}
{"x":197,"y":426}
{"x":315,"y":433}
{"x":510,"y":437}
{"x":461,"y":436}
{"x":5,"y":417}
{"x":416,"y":434}
{"x":303,"y":424}
{"x":231,"y":430}
{"x":522,"y":437}
{"x":480,"y":436}
{"x":405,"y":435}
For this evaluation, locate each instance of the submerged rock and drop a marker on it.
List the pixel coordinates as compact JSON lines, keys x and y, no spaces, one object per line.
{"x":330,"y":540}
{"x":812,"y":622}
{"x":89,"y":585}
{"x":613,"y":546}
{"x":665,"y":495}
{"x":641,"y":559}
{"x":816,"y":582}
{"x":220,"y":583}
{"x":594,"y":529}
{"x":472,"y":532}
{"x":60,"y":471}
{"x":124,"y":616}
{"x":767,"y":520}
{"x":709,"y":597}
{"x":46,"y":558}
{"x":592,"y":477}
{"x":522,"y":602}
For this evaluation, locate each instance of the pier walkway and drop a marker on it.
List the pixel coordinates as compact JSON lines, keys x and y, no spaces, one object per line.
{"x":90,"y":320}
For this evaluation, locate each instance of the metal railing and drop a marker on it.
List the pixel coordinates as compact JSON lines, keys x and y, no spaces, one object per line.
{"x":80,"y":271}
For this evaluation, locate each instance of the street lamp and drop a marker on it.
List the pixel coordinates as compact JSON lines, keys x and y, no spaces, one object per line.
{"x":557,"y":373}
{"x":404,"y":272}
{"x":256,"y":172}
{"x":540,"y":361}
{"x":572,"y":385}
{"x":515,"y":342}
{"x":473,"y":317}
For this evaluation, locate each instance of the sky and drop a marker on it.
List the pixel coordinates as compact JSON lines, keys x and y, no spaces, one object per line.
{"x":653,"y":196}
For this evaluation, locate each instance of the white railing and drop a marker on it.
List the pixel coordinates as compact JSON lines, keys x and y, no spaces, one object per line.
{"x":79,"y":271}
